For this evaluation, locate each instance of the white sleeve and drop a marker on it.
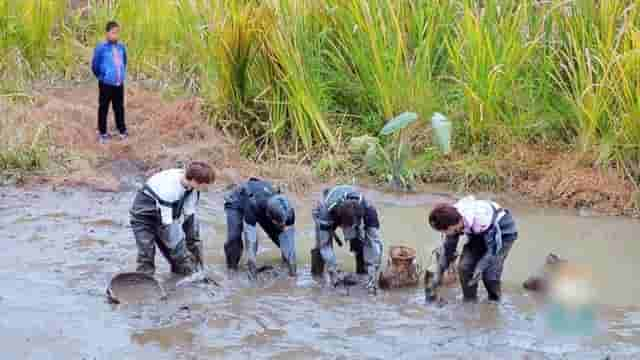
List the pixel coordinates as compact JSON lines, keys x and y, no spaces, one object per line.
{"x":166,"y":213}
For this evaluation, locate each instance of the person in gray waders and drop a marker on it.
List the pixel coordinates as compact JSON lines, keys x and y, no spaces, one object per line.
{"x":345,"y":207}
{"x":164,"y":215}
{"x":257,"y":202}
{"x":491,"y":232}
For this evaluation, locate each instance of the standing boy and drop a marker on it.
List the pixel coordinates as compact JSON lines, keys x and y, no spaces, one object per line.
{"x":164,"y":215}
{"x":109,"y":65}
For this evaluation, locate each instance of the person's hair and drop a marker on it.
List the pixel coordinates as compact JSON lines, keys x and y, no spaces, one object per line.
{"x":443,"y":216}
{"x":110,"y":25}
{"x":349,"y":212}
{"x":200,"y":172}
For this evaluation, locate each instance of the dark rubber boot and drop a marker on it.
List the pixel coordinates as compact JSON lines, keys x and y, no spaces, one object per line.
{"x":469,"y":292}
{"x":493,"y":289}
{"x":317,"y":263}
{"x":361,"y":268}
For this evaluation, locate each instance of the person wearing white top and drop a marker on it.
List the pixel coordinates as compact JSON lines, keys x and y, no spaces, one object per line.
{"x":163,"y":214}
{"x":490,"y":230}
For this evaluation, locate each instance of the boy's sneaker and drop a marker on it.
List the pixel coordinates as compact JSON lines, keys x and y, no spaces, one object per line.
{"x":124,"y":136}
{"x":103,"y":138}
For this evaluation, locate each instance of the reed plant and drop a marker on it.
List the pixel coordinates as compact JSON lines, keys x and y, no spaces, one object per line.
{"x":295,"y":73}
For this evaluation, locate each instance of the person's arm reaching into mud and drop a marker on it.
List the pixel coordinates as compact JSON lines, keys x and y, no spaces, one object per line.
{"x":324,"y":235}
{"x":250,"y":239}
{"x":191,"y":228}
{"x":447,"y":254}
{"x":287,"y":242}
{"x":373,"y":245}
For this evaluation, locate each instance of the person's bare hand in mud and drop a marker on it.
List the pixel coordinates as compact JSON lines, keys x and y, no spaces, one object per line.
{"x":253,"y":271}
{"x":332,"y":278}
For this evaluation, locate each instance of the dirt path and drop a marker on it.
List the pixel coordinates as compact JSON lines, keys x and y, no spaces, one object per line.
{"x":162,"y":134}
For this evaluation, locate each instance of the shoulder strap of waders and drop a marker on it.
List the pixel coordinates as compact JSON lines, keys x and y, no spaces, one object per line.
{"x":176,"y":206}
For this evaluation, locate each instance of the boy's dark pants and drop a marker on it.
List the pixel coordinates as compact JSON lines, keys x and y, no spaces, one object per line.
{"x":113,"y":95}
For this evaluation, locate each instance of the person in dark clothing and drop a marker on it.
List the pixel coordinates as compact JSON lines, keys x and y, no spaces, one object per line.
{"x":491,"y":232}
{"x":345,"y":207}
{"x":257,"y":202}
{"x":109,"y":65}
{"x":163,"y":214}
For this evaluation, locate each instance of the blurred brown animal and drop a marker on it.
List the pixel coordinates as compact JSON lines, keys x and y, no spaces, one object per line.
{"x":540,"y":281}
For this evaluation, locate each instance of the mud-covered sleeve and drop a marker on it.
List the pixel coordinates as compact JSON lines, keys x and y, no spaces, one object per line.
{"x":373,"y":245}
{"x":324,"y":233}
{"x":250,"y":231}
{"x":191,"y":229}
{"x":449,"y":247}
{"x":291,"y":218}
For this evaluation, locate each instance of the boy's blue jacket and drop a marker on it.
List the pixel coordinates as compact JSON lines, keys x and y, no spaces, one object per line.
{"x":104,"y":66}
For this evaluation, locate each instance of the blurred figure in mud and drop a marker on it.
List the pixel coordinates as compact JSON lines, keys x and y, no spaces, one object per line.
{"x":491,"y":232}
{"x":345,"y":207}
{"x":257,"y":202}
{"x":109,"y":65}
{"x":164,"y":215}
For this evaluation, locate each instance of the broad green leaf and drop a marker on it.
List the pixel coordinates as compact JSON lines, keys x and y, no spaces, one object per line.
{"x":399,"y":122}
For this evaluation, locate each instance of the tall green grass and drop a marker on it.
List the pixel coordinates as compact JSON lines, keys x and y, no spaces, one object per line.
{"x":295,"y":73}
{"x":27,"y":30}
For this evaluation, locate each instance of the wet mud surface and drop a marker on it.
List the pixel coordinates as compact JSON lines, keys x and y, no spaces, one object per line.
{"x":62,"y":247}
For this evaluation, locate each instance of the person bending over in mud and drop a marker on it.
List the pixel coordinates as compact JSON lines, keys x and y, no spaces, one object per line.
{"x":164,"y":215}
{"x":345,"y":207}
{"x":257,"y":202}
{"x":491,"y":232}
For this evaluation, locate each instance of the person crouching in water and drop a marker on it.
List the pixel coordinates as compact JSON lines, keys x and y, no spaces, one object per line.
{"x":491,"y":232}
{"x":345,"y":207}
{"x":257,"y":202}
{"x":164,"y":215}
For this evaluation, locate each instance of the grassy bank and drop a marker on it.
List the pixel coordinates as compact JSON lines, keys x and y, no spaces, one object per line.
{"x":308,"y":75}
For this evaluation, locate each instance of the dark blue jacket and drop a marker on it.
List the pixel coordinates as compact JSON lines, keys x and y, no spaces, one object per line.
{"x":104,"y":66}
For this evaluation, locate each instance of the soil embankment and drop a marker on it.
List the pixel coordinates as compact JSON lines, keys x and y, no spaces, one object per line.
{"x":165,"y":133}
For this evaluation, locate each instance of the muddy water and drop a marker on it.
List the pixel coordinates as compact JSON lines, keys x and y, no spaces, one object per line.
{"x":60,"y":248}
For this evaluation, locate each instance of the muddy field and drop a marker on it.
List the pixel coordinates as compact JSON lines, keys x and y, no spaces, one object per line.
{"x":62,"y":246}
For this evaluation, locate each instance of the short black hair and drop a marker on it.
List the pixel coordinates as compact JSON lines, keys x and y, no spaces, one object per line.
{"x":110,"y":25}
{"x":349,"y":212}
{"x":443,"y":216}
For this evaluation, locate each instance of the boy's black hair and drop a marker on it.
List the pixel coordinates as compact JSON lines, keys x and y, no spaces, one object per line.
{"x":110,"y":25}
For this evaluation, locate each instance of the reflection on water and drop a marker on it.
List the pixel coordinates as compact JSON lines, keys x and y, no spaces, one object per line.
{"x":62,"y":248}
